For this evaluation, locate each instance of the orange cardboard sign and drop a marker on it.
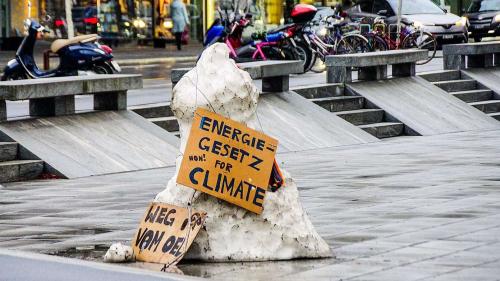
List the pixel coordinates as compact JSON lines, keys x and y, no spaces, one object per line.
{"x":228,"y":160}
{"x":164,"y":234}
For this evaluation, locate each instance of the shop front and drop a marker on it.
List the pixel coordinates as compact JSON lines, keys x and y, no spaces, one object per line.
{"x":266,"y":14}
{"x":12,"y":16}
{"x":118,"y":20}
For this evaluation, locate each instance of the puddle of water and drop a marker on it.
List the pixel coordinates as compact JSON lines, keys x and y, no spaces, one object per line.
{"x":268,"y":269}
{"x":454,"y":215}
{"x":204,"y":269}
{"x":14,"y":216}
{"x":85,"y":231}
{"x":9,"y":203}
{"x":85,"y":252}
{"x":353,"y":238}
{"x":376,"y":176}
{"x":403,"y":216}
{"x":90,"y":253}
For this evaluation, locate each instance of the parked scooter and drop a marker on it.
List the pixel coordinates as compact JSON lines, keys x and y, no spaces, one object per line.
{"x":81,"y":55}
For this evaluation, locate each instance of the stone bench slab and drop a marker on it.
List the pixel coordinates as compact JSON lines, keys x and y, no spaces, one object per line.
{"x":264,"y":69}
{"x":484,"y":54}
{"x":376,"y":58}
{"x":68,"y":86}
{"x":472,"y":48}
{"x":56,"y":96}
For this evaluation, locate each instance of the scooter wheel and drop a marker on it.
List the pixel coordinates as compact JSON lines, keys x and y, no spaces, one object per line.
{"x":16,"y":76}
{"x":102,"y":68}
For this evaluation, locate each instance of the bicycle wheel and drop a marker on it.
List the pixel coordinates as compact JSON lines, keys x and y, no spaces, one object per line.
{"x":299,"y":52}
{"x":375,"y":42}
{"x":353,"y":43}
{"x":421,"y":40}
{"x":312,"y":62}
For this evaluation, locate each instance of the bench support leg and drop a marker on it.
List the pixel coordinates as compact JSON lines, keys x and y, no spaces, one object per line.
{"x":275,"y":84}
{"x":453,"y":62}
{"x":403,"y":69}
{"x":480,"y":60}
{"x":110,"y":101}
{"x":3,"y":110}
{"x":338,"y":74}
{"x":56,"y":106}
{"x":372,"y":72}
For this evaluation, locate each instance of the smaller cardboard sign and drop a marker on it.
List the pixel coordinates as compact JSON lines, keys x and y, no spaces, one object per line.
{"x":228,"y":160}
{"x":164,"y":235}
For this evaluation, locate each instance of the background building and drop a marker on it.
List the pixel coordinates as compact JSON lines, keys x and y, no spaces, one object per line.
{"x":143,"y":21}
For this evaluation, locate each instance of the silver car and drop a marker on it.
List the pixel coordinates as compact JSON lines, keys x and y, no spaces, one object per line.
{"x":446,"y":27}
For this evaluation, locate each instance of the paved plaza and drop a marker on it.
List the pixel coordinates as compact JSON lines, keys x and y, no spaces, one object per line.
{"x":411,"y":208}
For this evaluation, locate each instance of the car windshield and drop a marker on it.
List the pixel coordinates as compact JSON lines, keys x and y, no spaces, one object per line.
{"x":484,"y":6}
{"x":414,"y":7}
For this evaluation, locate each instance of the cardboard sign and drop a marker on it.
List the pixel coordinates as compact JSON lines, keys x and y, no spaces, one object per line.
{"x":228,"y":160}
{"x":164,"y":235}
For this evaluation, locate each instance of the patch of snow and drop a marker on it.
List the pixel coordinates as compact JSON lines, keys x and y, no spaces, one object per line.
{"x":119,"y":253}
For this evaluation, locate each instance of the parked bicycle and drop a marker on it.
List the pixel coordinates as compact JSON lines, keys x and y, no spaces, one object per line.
{"x":333,"y":39}
{"x":382,"y":36}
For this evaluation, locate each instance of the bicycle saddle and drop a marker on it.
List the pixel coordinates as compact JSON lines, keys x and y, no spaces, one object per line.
{"x":280,"y":28}
{"x":60,"y":43}
{"x":337,"y":24}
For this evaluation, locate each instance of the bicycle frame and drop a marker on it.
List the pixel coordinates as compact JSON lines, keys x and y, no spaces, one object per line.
{"x":392,"y":44}
{"x":258,"y":52}
{"x":319,"y":46}
{"x":259,"y":49}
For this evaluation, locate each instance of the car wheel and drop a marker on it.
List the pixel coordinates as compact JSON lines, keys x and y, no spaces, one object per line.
{"x":477,"y":39}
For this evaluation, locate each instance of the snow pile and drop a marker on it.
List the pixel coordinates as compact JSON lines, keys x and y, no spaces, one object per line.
{"x":283,"y":230}
{"x":119,"y":253}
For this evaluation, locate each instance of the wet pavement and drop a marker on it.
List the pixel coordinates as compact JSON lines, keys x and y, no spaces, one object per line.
{"x":411,"y":208}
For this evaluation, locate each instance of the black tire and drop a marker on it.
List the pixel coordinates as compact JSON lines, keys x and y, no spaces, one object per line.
{"x":312,"y":62}
{"x":478,"y":38}
{"x":352,"y":44}
{"x":427,"y":41}
{"x":274,"y":53}
{"x":14,"y":76}
{"x":376,"y":43}
{"x":102,"y":68}
{"x":302,"y":53}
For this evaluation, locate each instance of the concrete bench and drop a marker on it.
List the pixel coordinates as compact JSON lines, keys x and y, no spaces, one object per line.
{"x":274,"y":74}
{"x":373,"y":66}
{"x":467,"y":55}
{"x":56,"y":96}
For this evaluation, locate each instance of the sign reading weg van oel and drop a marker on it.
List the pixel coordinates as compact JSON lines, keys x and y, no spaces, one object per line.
{"x":228,"y":160}
{"x":164,"y":234}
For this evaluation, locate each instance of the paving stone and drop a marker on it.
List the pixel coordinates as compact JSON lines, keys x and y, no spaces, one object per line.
{"x":441,"y":75}
{"x":396,"y":274}
{"x":384,"y":129}
{"x":473,"y":95}
{"x":385,"y":209}
{"x":168,"y":123}
{"x":153,"y":110}
{"x":362,"y":116}
{"x":467,"y":274}
{"x":457,"y":85}
{"x":488,"y":106}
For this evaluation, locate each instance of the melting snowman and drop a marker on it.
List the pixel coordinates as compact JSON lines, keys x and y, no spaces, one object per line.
{"x":283,"y":230}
